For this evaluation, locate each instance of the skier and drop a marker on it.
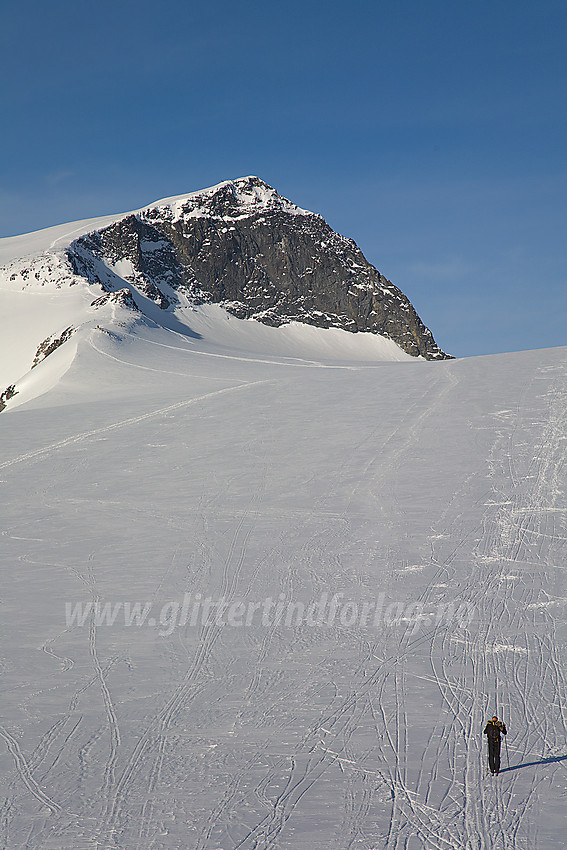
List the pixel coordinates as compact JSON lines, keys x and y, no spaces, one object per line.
{"x":493,"y":731}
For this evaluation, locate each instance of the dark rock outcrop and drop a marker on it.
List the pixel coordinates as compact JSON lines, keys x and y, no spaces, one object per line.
{"x":51,"y":344}
{"x":242,"y":245}
{"x":122,"y":297}
{"x":6,"y":395}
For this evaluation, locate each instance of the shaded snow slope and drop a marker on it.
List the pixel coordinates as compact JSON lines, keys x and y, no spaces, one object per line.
{"x":169,"y":468}
{"x":33,"y":320}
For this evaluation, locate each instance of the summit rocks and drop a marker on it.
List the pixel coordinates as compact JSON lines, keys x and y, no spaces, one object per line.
{"x":243,"y":246}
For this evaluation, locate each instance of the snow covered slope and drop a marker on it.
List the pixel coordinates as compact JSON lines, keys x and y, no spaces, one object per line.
{"x":256,"y":600}
{"x":262,"y":586}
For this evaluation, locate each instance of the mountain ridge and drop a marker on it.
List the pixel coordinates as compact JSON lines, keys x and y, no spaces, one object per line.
{"x":239,"y":245}
{"x":242,"y":245}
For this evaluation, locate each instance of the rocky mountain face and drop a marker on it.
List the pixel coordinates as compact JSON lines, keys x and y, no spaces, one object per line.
{"x":243,"y":246}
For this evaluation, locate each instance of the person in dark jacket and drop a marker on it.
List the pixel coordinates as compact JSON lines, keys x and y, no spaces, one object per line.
{"x":494,"y":730}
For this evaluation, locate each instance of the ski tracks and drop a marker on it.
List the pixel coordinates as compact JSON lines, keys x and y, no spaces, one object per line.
{"x":150,"y":752}
{"x":512,"y":566}
{"x":124,"y":423}
{"x":513,"y":579}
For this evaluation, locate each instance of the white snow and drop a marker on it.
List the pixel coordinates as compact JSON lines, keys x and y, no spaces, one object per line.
{"x":27,"y":319}
{"x":124,"y":268}
{"x":378,"y":544}
{"x":249,"y":196}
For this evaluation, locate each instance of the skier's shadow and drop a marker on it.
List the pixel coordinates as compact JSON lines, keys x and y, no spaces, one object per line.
{"x":549,"y":760}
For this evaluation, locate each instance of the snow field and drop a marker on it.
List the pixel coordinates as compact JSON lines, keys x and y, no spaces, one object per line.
{"x":162,"y":464}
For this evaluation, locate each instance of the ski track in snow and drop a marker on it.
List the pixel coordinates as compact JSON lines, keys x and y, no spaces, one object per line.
{"x":273,"y":738}
{"x":86,"y":435}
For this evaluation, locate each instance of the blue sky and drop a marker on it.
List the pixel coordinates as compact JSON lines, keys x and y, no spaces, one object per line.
{"x":433,"y":132}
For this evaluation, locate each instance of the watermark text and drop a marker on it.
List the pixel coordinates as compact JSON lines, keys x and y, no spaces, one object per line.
{"x":330,"y":610}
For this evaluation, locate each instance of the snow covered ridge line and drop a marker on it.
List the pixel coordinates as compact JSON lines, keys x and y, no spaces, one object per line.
{"x":197,"y":610}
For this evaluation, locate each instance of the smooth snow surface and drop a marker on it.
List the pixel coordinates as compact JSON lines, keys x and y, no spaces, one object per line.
{"x":167,"y":468}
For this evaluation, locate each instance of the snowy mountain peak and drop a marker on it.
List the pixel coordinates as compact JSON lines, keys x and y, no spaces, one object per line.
{"x":230,"y":199}
{"x":239,"y":245}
